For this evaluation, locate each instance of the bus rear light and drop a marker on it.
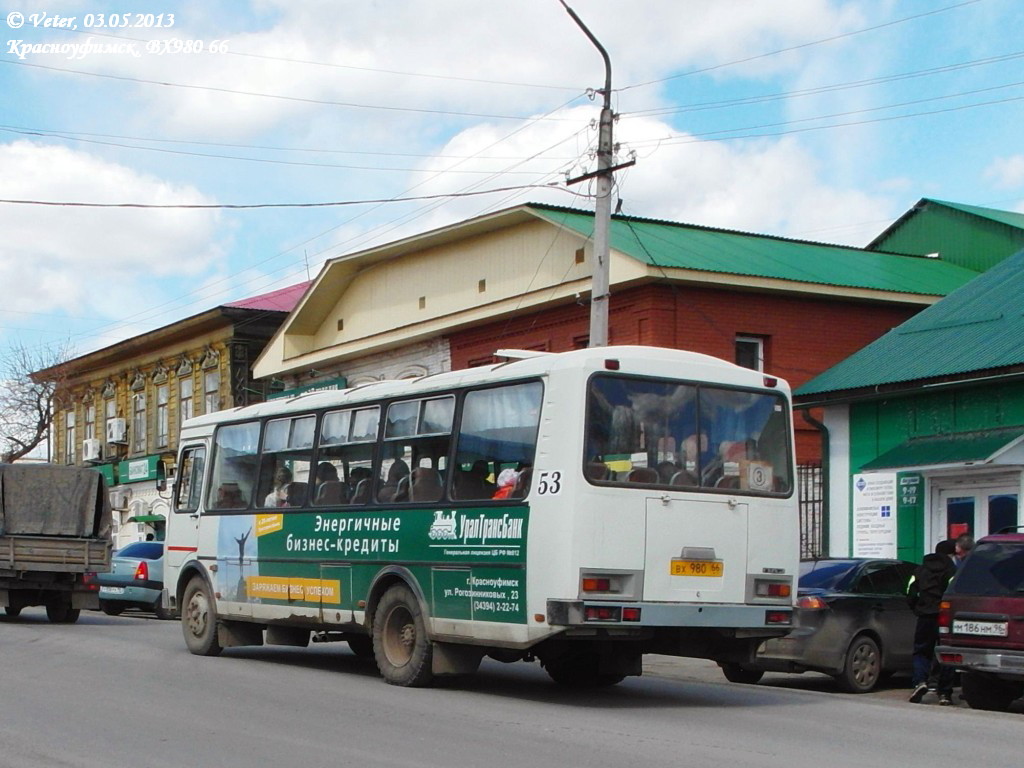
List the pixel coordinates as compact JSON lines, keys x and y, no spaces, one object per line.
{"x":594,"y":584}
{"x":778,"y":618}
{"x":630,"y":614}
{"x":951,"y":658}
{"x":772,"y":589}
{"x":602,"y":613}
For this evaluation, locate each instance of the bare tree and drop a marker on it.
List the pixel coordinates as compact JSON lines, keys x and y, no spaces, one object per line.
{"x":32,"y":389}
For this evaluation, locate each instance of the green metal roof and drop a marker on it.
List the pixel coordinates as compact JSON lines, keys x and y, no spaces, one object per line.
{"x":978,"y":327}
{"x":960,"y":448}
{"x":966,"y":235}
{"x":683,"y":246}
{"x":1009,"y":218}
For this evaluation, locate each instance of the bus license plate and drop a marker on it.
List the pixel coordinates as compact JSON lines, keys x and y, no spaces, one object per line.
{"x":986,"y":628}
{"x":713,"y":568}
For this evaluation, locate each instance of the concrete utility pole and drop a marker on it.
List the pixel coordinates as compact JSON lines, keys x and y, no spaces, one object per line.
{"x":599,"y":292}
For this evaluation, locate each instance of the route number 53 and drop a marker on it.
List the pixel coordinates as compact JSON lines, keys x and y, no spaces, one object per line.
{"x":549,"y":483}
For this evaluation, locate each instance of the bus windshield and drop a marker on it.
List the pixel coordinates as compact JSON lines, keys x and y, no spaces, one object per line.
{"x":676,"y":434}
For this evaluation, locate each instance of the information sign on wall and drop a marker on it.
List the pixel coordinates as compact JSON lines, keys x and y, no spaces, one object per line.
{"x":874,"y":515}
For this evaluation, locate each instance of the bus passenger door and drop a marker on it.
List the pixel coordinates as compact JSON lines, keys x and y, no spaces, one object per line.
{"x":181,"y":535}
{"x":696,"y":551}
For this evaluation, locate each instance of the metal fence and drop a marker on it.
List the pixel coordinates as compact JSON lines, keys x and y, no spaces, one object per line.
{"x":811,"y":494}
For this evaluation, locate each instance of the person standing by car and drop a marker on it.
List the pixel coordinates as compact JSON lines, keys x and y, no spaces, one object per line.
{"x":924,"y":594}
{"x":964,"y":545}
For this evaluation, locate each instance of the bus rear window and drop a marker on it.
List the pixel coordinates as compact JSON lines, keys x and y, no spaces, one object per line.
{"x":667,"y":433}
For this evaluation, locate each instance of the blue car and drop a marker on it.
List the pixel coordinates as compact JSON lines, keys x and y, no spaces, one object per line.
{"x":135,"y":580}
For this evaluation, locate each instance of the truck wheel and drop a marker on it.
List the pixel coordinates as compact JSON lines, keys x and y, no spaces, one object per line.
{"x":401,"y":647}
{"x":12,"y":610}
{"x":61,"y":612}
{"x":863,"y":666}
{"x":199,"y":619}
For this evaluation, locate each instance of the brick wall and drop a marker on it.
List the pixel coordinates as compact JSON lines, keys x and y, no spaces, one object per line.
{"x":802,"y":336}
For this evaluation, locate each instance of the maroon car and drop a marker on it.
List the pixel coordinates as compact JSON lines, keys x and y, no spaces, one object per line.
{"x":981,"y":622}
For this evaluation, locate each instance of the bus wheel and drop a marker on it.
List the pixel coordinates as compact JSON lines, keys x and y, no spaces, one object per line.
{"x":60,"y":612}
{"x":581,"y":670}
{"x":12,"y":610}
{"x":199,"y":619}
{"x":400,"y":644}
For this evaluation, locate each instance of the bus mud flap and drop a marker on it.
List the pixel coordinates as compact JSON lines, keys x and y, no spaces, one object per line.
{"x":450,"y":659}
{"x":235,"y":633}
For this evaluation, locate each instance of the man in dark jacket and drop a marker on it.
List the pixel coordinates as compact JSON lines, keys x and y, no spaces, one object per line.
{"x":924,"y":594}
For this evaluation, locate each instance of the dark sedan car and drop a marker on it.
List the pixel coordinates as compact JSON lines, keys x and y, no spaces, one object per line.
{"x":852,"y":622}
{"x":135,"y":580}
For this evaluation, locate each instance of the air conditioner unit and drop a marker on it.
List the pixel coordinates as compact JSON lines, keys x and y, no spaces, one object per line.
{"x":119,"y":498}
{"x":116,"y":431}
{"x":91,"y":450}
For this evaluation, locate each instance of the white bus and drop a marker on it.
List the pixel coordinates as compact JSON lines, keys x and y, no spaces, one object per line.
{"x":580,"y":509}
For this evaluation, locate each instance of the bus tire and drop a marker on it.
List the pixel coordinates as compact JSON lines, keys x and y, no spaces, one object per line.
{"x":581,"y":670}
{"x":403,"y":652}
{"x":12,"y":610}
{"x":199,"y":619}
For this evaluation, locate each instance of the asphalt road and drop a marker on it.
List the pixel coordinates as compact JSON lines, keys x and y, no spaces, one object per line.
{"x":123,"y":691}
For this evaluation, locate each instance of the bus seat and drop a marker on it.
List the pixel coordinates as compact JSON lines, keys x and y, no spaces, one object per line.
{"x":425,"y":485}
{"x":330,"y":492}
{"x":643,"y":475}
{"x":361,"y":495}
{"x":685,"y":478}
{"x":469,"y":485}
{"x":597,"y":470}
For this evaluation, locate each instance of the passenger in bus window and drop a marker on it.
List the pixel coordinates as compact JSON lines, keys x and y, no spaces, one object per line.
{"x":506,"y":484}
{"x":397,"y":472}
{"x":278,"y":497}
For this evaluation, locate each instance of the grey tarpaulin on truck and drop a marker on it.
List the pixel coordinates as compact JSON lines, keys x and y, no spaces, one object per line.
{"x":52,"y":500}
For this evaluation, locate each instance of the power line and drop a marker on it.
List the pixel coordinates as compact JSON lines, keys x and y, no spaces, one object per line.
{"x":373,"y":70}
{"x":801,"y":46}
{"x":778,"y":96}
{"x":333,"y":204}
{"x":282,"y":97}
{"x":60,"y":133}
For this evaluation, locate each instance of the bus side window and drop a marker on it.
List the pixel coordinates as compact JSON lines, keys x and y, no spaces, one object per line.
{"x":498,"y":431}
{"x":190,"y":483}
{"x":234,"y":465}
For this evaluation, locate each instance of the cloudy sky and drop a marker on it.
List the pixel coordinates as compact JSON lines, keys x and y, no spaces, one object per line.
{"x":815,"y":119}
